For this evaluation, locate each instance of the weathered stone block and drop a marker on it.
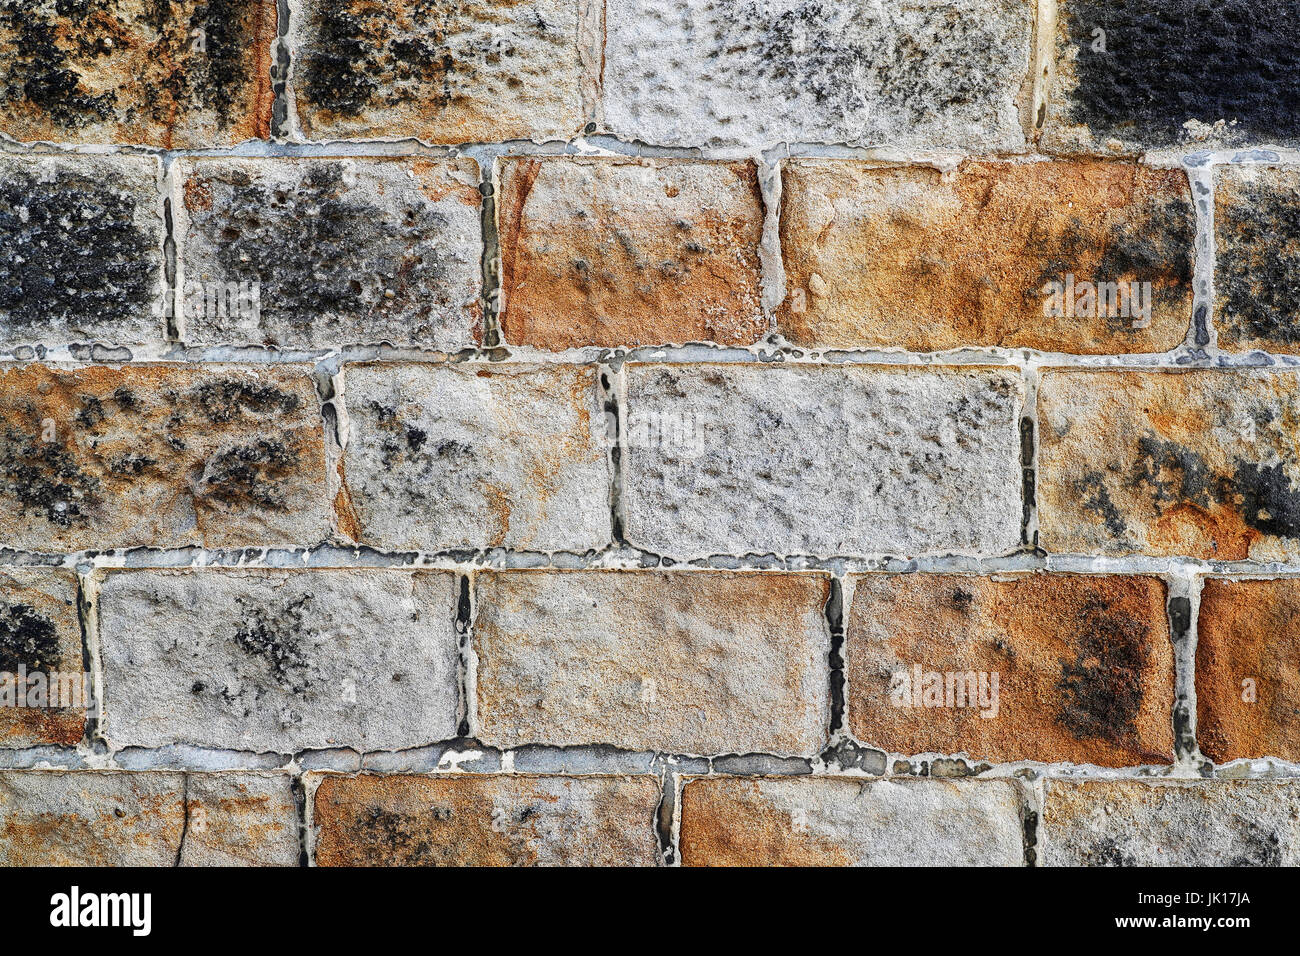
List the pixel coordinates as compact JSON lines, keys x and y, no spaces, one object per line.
{"x":81,"y":250}
{"x":463,"y":456}
{"x":107,"y":818}
{"x":1196,"y":463}
{"x":1018,"y":667}
{"x":1170,"y":823}
{"x":629,"y":252}
{"x":744,"y":73}
{"x":169,"y":73}
{"x":842,"y":821}
{"x":1129,"y":76}
{"x":730,"y":459}
{"x":321,"y":253}
{"x":443,"y":71}
{"x":1256,"y":258}
{"x":695,"y":661}
{"x":162,"y":456}
{"x":906,"y":257}
{"x":279,"y":660}
{"x":44,"y":690}
{"x":1248,"y":669}
{"x":486,"y":821}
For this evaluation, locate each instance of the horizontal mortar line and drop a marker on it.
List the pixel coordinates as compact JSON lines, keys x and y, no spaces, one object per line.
{"x":690,"y":353}
{"x":457,"y":756}
{"x":625,"y":558}
{"x":609,"y":145}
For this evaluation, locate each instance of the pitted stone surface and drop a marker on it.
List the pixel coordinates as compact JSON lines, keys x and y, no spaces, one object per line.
{"x":1257,"y":258}
{"x":40,"y":634}
{"x":939,"y":73}
{"x":443,"y":71}
{"x":1195,"y":463}
{"x":1083,"y":665}
{"x":81,"y":250}
{"x":279,"y":660}
{"x":486,"y":821}
{"x":732,"y":459}
{"x":629,"y":252}
{"x":109,"y":818}
{"x":460,"y":456}
{"x":906,"y":257}
{"x":1170,"y":823}
{"x":169,"y":73}
{"x":342,"y":251}
{"x":1185,"y":73}
{"x":841,"y":821}
{"x":687,"y":662}
{"x":162,"y":456}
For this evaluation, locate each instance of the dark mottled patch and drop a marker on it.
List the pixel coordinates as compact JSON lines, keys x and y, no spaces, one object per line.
{"x":943,"y":64}
{"x":228,"y":400}
{"x":1106,"y":852}
{"x":1268,"y":501}
{"x":1101,"y":688}
{"x":320,"y":251}
{"x":384,"y":835}
{"x":44,"y":477}
{"x":27,"y":639}
{"x":1257,"y":262}
{"x":71,"y":251}
{"x":1096,"y":499}
{"x":257,"y":473}
{"x":1260,"y":847}
{"x":1170,"y":472}
{"x":1179,"y":60}
{"x":274,"y":636}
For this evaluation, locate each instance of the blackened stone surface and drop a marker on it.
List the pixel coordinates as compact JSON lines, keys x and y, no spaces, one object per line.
{"x":81,"y":250}
{"x":445,"y":71}
{"x":1257,"y":258}
{"x":1164,"y":74}
{"x":169,"y":73}
{"x":342,"y":251}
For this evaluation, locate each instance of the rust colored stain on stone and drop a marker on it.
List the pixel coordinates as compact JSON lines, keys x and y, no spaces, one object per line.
{"x":40,"y":634}
{"x":486,"y":821}
{"x":906,"y":257}
{"x":728,"y":823}
{"x":462,"y":72}
{"x":1248,"y":669}
{"x":1084,"y":667}
{"x":1195,"y":463}
{"x":629,"y":252}
{"x":167,"y":73}
{"x":161,"y":456}
{"x":1257,"y":258}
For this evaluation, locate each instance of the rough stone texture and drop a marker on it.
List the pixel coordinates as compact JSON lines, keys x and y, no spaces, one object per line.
{"x":464,"y":456}
{"x":1170,"y":823}
{"x":683,"y":662}
{"x":1247,"y":632}
{"x":629,"y":252}
{"x":1084,"y":664}
{"x":344,"y":251}
{"x":168,"y":73}
{"x":730,"y":459}
{"x":1180,"y":72}
{"x":839,"y":821}
{"x":444,"y":71}
{"x":750,"y":73}
{"x":905,"y":257}
{"x":486,"y":821}
{"x":1257,"y":258}
{"x":81,"y":250}
{"x":1194,"y":463}
{"x":99,"y":818}
{"x":160,"y":455}
{"x":279,"y":660}
{"x":40,"y":633}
